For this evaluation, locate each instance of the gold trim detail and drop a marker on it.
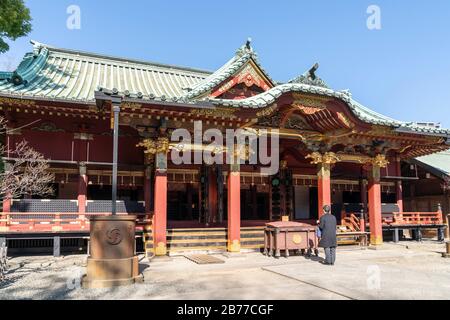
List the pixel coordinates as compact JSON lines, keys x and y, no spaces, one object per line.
{"x":131,"y":105}
{"x":380,"y":161}
{"x":218,"y":112}
{"x":326,"y":158}
{"x":17,"y":102}
{"x":297,"y":239}
{"x":267,"y":111}
{"x":161,"y":145}
{"x":309,"y":110}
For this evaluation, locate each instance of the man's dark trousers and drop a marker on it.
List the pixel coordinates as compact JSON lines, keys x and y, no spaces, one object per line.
{"x":330,"y":255}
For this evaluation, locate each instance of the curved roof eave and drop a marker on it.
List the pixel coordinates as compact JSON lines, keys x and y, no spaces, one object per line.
{"x":361,"y":112}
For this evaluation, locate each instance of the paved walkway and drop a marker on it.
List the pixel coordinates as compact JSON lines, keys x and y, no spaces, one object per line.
{"x":403,"y":271}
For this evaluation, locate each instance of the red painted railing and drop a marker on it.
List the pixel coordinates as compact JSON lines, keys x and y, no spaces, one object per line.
{"x":352,"y":221}
{"x":55,"y":222}
{"x":413,"y":218}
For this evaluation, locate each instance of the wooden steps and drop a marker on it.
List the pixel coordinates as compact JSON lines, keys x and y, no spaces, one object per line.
{"x":213,"y":239}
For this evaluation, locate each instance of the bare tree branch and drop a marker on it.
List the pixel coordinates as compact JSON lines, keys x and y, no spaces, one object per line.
{"x":27,"y":173}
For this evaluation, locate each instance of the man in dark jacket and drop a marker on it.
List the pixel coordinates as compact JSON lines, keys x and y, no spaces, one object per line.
{"x":327,"y":225}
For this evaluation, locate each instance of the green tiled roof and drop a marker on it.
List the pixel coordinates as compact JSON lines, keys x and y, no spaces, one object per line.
{"x":62,"y":74}
{"x":439,"y":161}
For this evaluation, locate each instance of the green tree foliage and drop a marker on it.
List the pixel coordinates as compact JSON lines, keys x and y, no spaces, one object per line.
{"x":15,"y":21}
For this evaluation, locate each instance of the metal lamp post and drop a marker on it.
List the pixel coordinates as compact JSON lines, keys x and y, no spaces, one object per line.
{"x":116,"y":111}
{"x":112,"y":260}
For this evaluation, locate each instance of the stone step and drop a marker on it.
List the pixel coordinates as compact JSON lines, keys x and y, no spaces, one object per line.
{"x":212,"y":239}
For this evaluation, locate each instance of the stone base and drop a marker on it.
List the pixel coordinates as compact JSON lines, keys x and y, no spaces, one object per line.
{"x":234,"y":246}
{"x":105,"y":273}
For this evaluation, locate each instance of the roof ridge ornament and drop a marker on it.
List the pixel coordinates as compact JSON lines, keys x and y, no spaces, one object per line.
{"x":312,"y":71}
{"x":29,"y":67}
{"x":246,"y":48}
{"x":248,"y":43}
{"x":310,"y":78}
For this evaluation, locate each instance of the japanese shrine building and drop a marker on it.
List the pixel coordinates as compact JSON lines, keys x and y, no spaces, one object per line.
{"x":332,"y":149}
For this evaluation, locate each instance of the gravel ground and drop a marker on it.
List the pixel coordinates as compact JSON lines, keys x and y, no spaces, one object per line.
{"x":407,"y":271}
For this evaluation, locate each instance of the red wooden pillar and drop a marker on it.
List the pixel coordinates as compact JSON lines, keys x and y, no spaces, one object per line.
{"x":6,"y":204}
{"x":234,"y":209}
{"x":323,"y":186}
{"x":375,"y":221}
{"x":399,"y":187}
{"x":160,"y":204}
{"x":82,"y":191}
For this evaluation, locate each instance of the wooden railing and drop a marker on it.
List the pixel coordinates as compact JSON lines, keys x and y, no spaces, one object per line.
{"x":350,"y":221}
{"x":413,"y":218}
{"x":54,"y":222}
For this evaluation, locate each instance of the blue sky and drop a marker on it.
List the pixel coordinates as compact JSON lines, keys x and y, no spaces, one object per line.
{"x":402,"y":70}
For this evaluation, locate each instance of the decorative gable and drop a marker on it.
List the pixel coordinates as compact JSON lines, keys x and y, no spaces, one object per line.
{"x":247,"y":82}
{"x":241,"y":77}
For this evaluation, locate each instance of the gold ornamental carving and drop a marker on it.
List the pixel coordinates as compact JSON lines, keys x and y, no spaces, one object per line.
{"x":267,"y":111}
{"x":131,"y":105}
{"x":379,"y":161}
{"x":243,"y":152}
{"x":309,"y":110}
{"x":357,"y":158}
{"x":219,"y":112}
{"x":382,"y":131}
{"x":326,"y":158}
{"x":331,"y":158}
{"x":310,"y":105}
{"x":16,"y":102}
{"x":297,"y":239}
{"x":160,"y":145}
